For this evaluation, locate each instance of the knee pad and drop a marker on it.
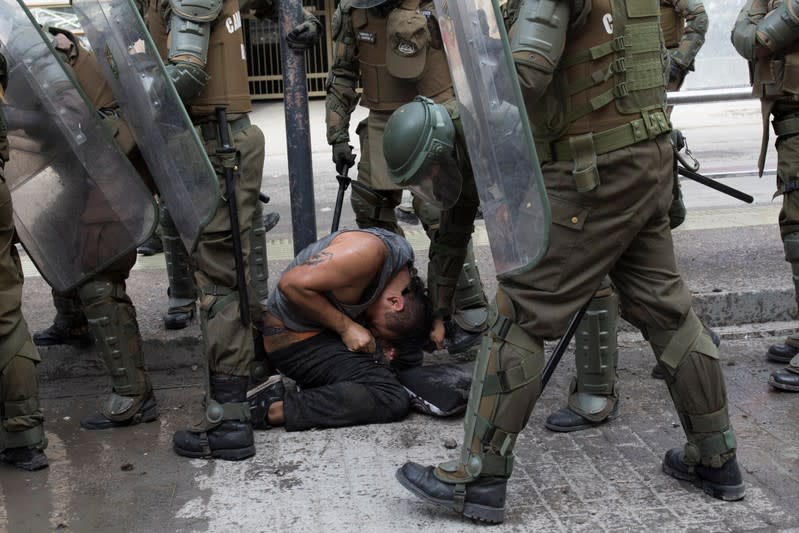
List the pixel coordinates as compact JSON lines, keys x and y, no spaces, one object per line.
{"x":505,"y":387}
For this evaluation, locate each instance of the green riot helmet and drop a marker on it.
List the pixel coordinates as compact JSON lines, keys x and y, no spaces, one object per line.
{"x":419,"y":148}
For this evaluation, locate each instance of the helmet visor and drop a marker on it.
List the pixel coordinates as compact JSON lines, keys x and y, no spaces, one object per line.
{"x":440,"y":183}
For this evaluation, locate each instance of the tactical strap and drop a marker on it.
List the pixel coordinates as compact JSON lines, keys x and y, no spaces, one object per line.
{"x":493,"y":437}
{"x":786,"y":126}
{"x":649,"y":126}
{"x":20,"y":408}
{"x":497,"y":465}
{"x":716,"y":422}
{"x":22,"y":439}
{"x":718,"y":444}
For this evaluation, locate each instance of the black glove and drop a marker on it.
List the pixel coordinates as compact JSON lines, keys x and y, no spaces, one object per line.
{"x":303,"y":36}
{"x":343,"y":156}
{"x":676,"y":73}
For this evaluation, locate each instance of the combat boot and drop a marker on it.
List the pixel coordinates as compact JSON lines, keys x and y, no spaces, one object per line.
{"x":229,"y":435}
{"x":787,"y":378}
{"x":151,"y":246}
{"x":25,"y":458}
{"x":59,"y":334}
{"x":482,"y":499}
{"x":147,"y":412}
{"x":565,"y":420}
{"x":263,"y":396}
{"x":724,"y":483}
{"x":782,"y":353}
{"x":70,"y":325}
{"x":458,"y":340}
{"x":179,"y":317}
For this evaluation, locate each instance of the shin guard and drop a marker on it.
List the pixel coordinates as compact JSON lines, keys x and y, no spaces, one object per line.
{"x":505,"y":387}
{"x":696,"y":384}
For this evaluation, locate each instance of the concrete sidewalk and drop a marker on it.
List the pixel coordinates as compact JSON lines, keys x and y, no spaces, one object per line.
{"x":605,"y":479}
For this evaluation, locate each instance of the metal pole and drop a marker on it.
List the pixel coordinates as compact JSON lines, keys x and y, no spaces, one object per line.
{"x":298,"y":130}
{"x":709,"y":95}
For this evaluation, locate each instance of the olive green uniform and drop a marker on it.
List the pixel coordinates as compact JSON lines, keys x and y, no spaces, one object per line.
{"x":606,"y":159}
{"x":21,"y":416}
{"x":103,"y":301}
{"x":365,"y":40}
{"x":593,"y":396}
{"x":775,"y":80}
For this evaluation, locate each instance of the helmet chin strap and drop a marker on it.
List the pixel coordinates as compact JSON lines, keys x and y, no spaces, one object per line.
{"x":385,"y":8}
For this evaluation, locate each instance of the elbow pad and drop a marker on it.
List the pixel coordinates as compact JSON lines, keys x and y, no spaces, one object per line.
{"x":189,"y":79}
{"x":781,"y":27}
{"x":537,"y":40}
{"x":190,"y":28}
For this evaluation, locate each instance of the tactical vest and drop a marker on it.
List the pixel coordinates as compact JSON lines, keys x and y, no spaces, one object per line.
{"x":89,"y":74}
{"x":777,"y":77}
{"x":227,"y":67}
{"x":609,"y":85}
{"x":672,"y":24}
{"x":381,"y":90}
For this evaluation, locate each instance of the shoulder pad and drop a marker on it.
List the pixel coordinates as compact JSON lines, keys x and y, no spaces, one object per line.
{"x":345,"y":6}
{"x":197,"y":10}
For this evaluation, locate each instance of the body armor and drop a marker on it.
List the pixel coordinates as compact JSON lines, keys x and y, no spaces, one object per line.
{"x":616,"y":98}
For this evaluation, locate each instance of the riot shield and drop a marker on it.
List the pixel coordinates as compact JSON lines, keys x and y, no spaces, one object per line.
{"x":79,"y":205}
{"x":157,"y":118}
{"x":498,"y":135}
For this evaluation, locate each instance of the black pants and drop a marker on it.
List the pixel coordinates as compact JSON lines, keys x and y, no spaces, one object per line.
{"x":339,"y":387}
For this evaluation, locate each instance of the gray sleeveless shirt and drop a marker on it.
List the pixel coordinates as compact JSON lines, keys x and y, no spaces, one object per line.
{"x":400,"y":255}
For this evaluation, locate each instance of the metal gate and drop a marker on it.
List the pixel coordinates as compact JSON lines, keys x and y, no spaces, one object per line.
{"x":263,"y":49}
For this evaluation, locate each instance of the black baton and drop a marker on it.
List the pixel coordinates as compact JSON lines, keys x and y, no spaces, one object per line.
{"x":563,"y":343}
{"x":343,"y":183}
{"x":713,"y":184}
{"x":227,"y":156}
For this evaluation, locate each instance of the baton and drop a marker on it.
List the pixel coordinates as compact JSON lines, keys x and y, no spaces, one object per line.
{"x":713,"y":184}
{"x":343,"y":183}
{"x":227,"y":156}
{"x":563,"y":343}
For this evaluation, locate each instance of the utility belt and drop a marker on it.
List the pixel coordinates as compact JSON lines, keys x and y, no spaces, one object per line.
{"x":787,"y":125}
{"x":209,"y":129}
{"x":571,"y":148}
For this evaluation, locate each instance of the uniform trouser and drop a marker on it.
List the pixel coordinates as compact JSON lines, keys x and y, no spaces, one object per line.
{"x":338,"y":387}
{"x":227,"y":344}
{"x":377,"y":210}
{"x":788,"y":175}
{"x":21,"y":416}
{"x":621,"y":229}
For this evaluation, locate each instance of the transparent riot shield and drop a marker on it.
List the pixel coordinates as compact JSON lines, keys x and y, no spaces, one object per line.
{"x":79,"y":205}
{"x":498,"y":135}
{"x":157,"y":118}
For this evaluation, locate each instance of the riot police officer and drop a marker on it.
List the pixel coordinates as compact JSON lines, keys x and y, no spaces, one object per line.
{"x":205,"y":62}
{"x":607,"y":164}
{"x":394,"y":49}
{"x":766,"y":34}
{"x":593,"y":398}
{"x":22,"y":439}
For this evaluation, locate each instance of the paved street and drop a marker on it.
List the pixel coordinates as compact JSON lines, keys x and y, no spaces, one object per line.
{"x":605,"y":479}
